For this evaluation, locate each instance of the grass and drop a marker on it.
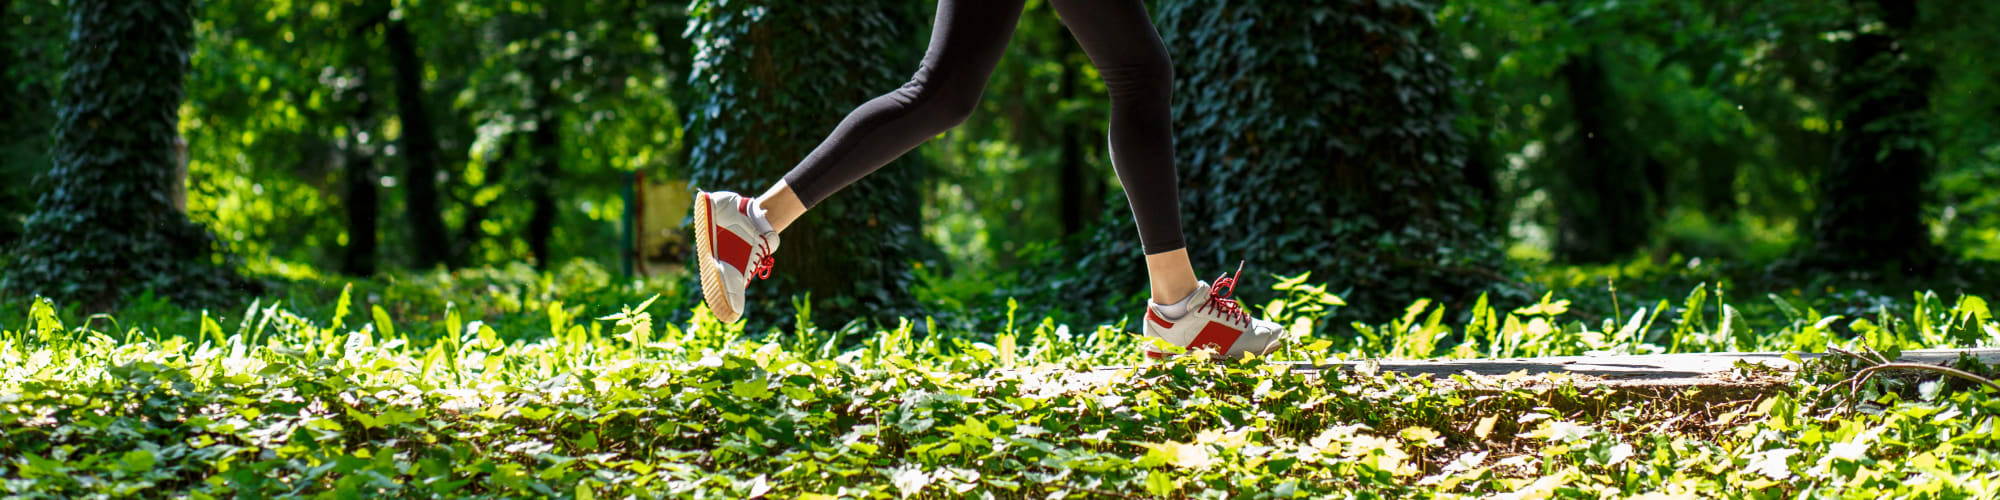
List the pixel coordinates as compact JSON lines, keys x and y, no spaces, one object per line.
{"x":510,"y":383}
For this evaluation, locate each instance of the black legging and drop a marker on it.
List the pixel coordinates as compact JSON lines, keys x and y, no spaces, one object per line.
{"x":966,"y":44}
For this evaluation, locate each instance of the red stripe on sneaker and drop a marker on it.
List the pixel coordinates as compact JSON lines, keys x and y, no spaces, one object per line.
{"x":1217,"y":336}
{"x":733,"y":250}
{"x":743,"y":206}
{"x":1157,"y":319}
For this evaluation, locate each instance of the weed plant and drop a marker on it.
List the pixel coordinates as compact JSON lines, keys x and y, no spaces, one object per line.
{"x":510,"y":383}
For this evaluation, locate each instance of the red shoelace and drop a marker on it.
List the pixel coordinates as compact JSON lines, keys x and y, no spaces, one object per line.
{"x":764,"y":260}
{"x":1220,"y":301}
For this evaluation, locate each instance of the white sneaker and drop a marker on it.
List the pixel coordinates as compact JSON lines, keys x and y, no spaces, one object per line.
{"x":1210,"y":320}
{"x":733,"y":243}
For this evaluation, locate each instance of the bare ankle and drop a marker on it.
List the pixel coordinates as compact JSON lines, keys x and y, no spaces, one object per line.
{"x":781,"y":206}
{"x":1172,"y":277}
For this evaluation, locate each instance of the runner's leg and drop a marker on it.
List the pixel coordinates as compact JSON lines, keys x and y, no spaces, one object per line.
{"x":1120,"y":39}
{"x":967,"y":40}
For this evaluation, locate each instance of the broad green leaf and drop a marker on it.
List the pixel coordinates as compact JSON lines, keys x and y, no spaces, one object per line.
{"x":340,"y":307}
{"x":382,"y":323}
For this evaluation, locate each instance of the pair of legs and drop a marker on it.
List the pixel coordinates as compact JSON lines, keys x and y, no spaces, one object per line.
{"x":967,"y":41}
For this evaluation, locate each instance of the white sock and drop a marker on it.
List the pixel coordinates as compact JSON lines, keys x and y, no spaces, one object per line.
{"x":1175,"y":310}
{"x":757,"y":217}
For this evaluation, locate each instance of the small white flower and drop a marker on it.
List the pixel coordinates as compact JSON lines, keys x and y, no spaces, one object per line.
{"x":1771,"y":463}
{"x":1853,"y":450}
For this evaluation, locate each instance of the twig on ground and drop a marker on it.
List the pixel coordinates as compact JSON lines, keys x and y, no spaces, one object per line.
{"x":1879,"y":358}
{"x":1857,"y":357}
{"x":1969,"y":376}
{"x":1881,"y":363}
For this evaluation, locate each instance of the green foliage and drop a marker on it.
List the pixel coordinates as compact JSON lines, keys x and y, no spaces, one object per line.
{"x":1731,"y":101}
{"x":1715,"y":107}
{"x":283,"y":101}
{"x":1735,"y":103}
{"x":107,"y":225}
{"x":508,"y":382}
{"x":280,"y":102}
{"x":753,"y":117}
{"x":1967,"y":138}
{"x":996,"y":182}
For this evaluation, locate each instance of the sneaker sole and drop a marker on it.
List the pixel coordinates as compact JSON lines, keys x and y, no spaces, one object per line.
{"x":1157,"y":354}
{"x":711,"y":274}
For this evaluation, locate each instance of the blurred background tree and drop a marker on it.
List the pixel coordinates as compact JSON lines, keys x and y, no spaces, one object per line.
{"x":1396,"y":149}
{"x":107,"y":222}
{"x":1874,"y":183}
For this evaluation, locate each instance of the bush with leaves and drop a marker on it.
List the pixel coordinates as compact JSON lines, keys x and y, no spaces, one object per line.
{"x":579,"y":395}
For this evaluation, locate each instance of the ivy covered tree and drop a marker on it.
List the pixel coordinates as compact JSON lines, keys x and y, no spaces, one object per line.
{"x":1607,"y":189}
{"x":106,"y":227}
{"x":753,"y":117}
{"x":420,"y":150}
{"x":1318,"y":138}
{"x":1872,"y":194}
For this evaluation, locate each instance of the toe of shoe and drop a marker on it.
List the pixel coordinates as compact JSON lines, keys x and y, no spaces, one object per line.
{"x":1268,"y":337}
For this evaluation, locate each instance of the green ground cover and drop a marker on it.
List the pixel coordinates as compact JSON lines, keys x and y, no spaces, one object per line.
{"x":505,"y":382}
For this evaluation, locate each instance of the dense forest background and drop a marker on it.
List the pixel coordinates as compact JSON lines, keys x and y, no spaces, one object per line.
{"x":1395,"y":149}
{"x":402,"y":248}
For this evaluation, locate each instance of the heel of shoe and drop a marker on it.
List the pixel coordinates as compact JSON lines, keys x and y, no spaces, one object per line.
{"x":704,"y":245}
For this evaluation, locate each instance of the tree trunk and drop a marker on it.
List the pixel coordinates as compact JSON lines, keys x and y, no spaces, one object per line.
{"x":13,"y":200}
{"x":1072,"y":177}
{"x":1717,"y":180}
{"x":419,"y":151}
{"x":363,"y":186}
{"x":1872,"y":197}
{"x":1606,"y":208}
{"x":1480,"y":165}
{"x":545,"y":143}
{"x":107,"y":226}
{"x":7,"y":85}
{"x":363,"y":202}
{"x":360,"y":177}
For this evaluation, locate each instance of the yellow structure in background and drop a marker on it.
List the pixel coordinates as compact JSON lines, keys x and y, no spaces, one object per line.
{"x":662,"y":240}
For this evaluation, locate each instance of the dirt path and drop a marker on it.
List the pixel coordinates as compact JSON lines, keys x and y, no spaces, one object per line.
{"x":1654,"y":371}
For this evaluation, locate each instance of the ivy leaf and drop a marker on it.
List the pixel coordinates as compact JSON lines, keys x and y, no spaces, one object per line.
{"x":1771,"y":463}
{"x":910,"y":480}
{"x":1561,"y":431}
{"x":136,"y":461}
{"x":753,"y":389}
